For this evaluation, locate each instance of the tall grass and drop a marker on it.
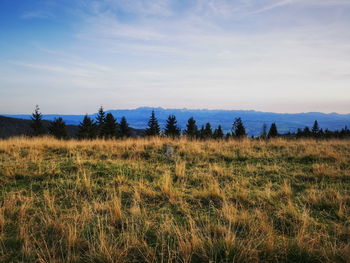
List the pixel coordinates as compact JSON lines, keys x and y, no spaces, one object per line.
{"x":213,"y":201}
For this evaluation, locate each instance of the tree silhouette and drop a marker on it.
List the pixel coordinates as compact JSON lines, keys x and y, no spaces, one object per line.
{"x":171,"y":128}
{"x":87,"y":129}
{"x":306,"y":132}
{"x":124,"y":128}
{"x":207,"y":131}
{"x":273,"y":131}
{"x":37,"y":125}
{"x":58,"y":129}
{"x":218,"y":133}
{"x":153,"y":126}
{"x":191,"y":128}
{"x":238,"y":129}
{"x":110,"y":127}
{"x":100,"y":121}
{"x":315,"y":129}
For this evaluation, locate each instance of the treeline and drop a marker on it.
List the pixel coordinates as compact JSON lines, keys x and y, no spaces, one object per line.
{"x":106,"y":126}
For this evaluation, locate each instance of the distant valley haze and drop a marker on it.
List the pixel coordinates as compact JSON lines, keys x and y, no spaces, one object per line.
{"x":254,"y":120}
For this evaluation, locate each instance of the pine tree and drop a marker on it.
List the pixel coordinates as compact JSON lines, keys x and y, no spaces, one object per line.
{"x":153,"y":126}
{"x":306,"y":132}
{"x":207,"y":131}
{"x":110,"y":127}
{"x":218,"y":133}
{"x":87,"y":129}
{"x":171,"y":128}
{"x":238,"y":129}
{"x":58,"y":129}
{"x":273,"y":131}
{"x":100,"y":120}
{"x":37,"y":125}
{"x":315,"y":129}
{"x":124,"y":128}
{"x":191,"y":128}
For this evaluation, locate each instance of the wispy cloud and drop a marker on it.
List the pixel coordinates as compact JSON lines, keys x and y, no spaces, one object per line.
{"x":231,"y":54}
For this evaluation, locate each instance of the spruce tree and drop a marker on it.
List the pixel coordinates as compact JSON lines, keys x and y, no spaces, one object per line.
{"x":153,"y":126}
{"x":58,"y":129}
{"x":100,"y":120}
{"x":171,"y":128}
{"x":306,"y":132}
{"x":315,"y":129}
{"x":218,"y":133}
{"x":273,"y":131}
{"x":110,"y":127}
{"x":191,"y":128}
{"x":87,"y":129}
{"x":207,"y":132}
{"x":37,"y":125}
{"x":238,"y":129}
{"x":124,"y":128}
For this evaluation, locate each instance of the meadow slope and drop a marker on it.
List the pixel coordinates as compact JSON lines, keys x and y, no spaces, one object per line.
{"x":214,"y":201}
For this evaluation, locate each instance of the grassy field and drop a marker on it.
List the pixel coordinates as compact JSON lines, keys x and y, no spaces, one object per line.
{"x":125,"y":201}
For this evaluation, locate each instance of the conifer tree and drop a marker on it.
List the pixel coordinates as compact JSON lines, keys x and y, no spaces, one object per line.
{"x":306,"y":132}
{"x":87,"y":129}
{"x":37,"y":125}
{"x":124,"y":128}
{"x":315,"y":129}
{"x":100,"y":121}
{"x":207,"y":131}
{"x":238,"y":129}
{"x":273,"y":131}
{"x":58,"y":129}
{"x":110,"y":127}
{"x":153,"y":126}
{"x":171,"y":128}
{"x":191,"y":128}
{"x":218,"y":133}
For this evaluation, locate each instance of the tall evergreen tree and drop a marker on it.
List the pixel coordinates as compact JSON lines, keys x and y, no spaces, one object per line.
{"x":191,"y":128}
{"x":87,"y":129}
{"x":315,"y":129}
{"x":100,"y":121}
{"x":153,"y":126}
{"x":273,"y":131}
{"x":58,"y":129}
{"x":110,"y":127}
{"x":124,"y":128}
{"x":171,"y":128}
{"x":37,"y":125}
{"x":207,"y":132}
{"x":306,"y":132}
{"x":218,"y":133}
{"x":238,"y":129}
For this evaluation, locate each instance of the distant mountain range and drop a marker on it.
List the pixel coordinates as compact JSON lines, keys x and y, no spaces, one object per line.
{"x":253,"y":120}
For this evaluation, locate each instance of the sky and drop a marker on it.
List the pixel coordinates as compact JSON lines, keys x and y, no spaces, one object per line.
{"x":71,"y":56}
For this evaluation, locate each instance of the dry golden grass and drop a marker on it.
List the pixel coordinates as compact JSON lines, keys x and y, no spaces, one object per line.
{"x":214,"y":201}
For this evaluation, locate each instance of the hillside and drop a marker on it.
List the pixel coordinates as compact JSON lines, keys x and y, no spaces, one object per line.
{"x":16,"y":127}
{"x":125,"y":201}
{"x":253,"y":120}
{"x":10,"y":127}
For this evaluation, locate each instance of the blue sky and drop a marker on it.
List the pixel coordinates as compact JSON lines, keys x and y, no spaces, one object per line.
{"x":270,"y":55}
